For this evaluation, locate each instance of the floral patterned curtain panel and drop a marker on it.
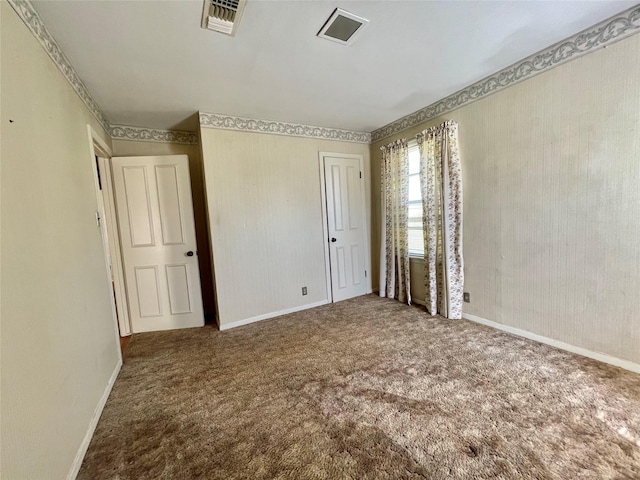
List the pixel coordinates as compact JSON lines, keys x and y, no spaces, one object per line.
{"x":394,"y":238}
{"x":441,"y":184}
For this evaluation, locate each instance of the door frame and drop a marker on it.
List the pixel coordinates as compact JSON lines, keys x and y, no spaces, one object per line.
{"x":111,"y":241}
{"x":325,"y":219}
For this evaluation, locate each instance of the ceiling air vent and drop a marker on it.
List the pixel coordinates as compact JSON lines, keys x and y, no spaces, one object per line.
{"x":222,"y":15}
{"x":342,"y":27}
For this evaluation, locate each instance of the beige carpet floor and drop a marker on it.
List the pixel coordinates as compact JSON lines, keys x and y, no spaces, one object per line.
{"x":364,"y":389}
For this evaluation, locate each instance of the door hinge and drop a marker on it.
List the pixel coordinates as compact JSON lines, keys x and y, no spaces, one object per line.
{"x":365,"y":274}
{"x":98,"y":219}
{"x":360,"y":174}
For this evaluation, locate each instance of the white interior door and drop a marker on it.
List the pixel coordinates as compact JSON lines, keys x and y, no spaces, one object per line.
{"x":158,"y":240}
{"x":344,"y":188}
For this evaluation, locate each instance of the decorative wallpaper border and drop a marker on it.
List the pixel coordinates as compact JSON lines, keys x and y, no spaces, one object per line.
{"x":32,"y":20}
{"x":124,"y":132}
{"x":600,"y":35}
{"x":213,"y":120}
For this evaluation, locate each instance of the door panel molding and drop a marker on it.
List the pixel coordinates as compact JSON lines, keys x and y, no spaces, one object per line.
{"x":180,"y":298}
{"x":149,"y":304}
{"x":170,"y":205}
{"x":357,"y":276}
{"x":136,"y":214}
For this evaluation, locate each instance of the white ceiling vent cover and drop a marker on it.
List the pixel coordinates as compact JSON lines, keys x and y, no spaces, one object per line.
{"x":222,"y":15}
{"x":342,"y":27}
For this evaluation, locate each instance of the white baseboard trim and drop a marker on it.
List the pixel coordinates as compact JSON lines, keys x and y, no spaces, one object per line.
{"x":265,"y":316}
{"x":418,"y":301}
{"x":602,"y":357}
{"x":84,"y":446}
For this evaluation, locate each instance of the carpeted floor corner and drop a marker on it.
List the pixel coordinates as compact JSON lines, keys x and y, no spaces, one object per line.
{"x":363,"y":389}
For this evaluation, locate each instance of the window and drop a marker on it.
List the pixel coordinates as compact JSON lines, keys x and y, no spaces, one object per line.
{"x":416,"y":232}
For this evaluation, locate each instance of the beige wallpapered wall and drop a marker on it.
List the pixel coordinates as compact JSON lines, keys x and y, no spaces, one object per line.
{"x":58,"y":343}
{"x":551,"y":176}
{"x":264,"y":201}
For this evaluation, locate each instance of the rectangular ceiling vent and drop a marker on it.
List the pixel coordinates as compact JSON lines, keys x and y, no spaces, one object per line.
{"x":342,"y":27}
{"x":222,"y":15}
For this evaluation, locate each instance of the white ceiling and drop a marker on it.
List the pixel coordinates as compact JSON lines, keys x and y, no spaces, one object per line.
{"x":149,"y":64}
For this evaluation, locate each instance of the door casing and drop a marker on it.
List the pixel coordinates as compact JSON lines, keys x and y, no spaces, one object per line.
{"x":325,"y":223}
{"x":98,"y":147}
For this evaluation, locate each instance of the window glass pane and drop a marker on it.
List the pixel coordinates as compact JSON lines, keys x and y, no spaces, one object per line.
{"x":416,"y":241}
{"x":416,"y":234}
{"x":414,"y":160}
{"x":415,"y":213}
{"x":414,"y":188}
{"x":415,"y":224}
